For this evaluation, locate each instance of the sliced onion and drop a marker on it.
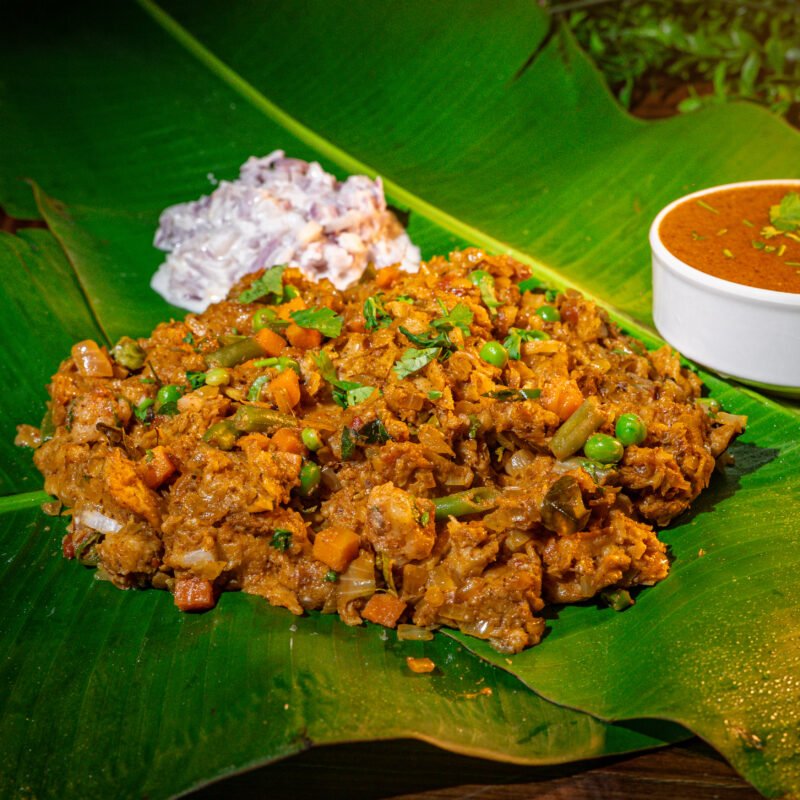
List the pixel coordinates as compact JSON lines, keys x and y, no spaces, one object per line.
{"x":358,"y":580}
{"x":91,"y":361}
{"x":414,"y":633}
{"x":195,"y":558}
{"x":98,"y":522}
{"x":519,"y":460}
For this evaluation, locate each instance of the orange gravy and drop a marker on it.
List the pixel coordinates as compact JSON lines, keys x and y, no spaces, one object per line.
{"x":727,"y":234}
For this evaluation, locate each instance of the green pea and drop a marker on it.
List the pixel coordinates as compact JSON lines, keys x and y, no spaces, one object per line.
{"x":548,"y":313}
{"x":311,"y":439}
{"x":630,"y":429}
{"x":495,"y":354}
{"x":310,"y":476}
{"x":168,"y":394}
{"x":218,"y":376}
{"x":603,"y":448}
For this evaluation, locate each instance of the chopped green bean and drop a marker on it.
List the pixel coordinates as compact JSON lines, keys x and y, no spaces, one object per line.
{"x":473,"y":501}
{"x":222,"y":435}
{"x":251,"y":419}
{"x":572,"y":435}
{"x":618,"y":599}
{"x":233,"y":354}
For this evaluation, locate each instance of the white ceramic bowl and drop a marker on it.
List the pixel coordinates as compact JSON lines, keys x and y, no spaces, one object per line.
{"x":741,"y":332}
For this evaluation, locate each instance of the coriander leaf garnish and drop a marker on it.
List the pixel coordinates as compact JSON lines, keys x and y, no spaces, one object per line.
{"x":460,"y":317}
{"x":531,"y":285}
{"x":358,"y":394}
{"x":321,"y":319}
{"x":195,"y":379}
{"x":281,"y":539}
{"x":413,"y":360}
{"x":325,"y":366}
{"x":375,"y":315}
{"x":345,"y":393}
{"x":515,"y":338}
{"x":786,"y":215}
{"x":270,"y":283}
{"x":428,"y":339}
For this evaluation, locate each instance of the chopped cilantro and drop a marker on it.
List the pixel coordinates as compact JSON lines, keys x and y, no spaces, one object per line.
{"x":345,"y":393}
{"x":786,"y":215}
{"x":147,"y":380}
{"x":434,"y":394}
{"x":405,"y":298}
{"x":148,"y":456}
{"x":195,"y":379}
{"x":189,"y":338}
{"x":413,"y":360}
{"x":269,"y":285}
{"x":168,"y":409}
{"x":375,"y":315}
{"x":321,"y":319}
{"x":424,"y":517}
{"x":281,"y":539}
{"x":438,"y":339}
{"x":348,"y":444}
{"x":531,"y":285}
{"x":460,"y":317}
{"x":357,"y":394}
{"x":550,"y":295}
{"x":515,"y":338}
{"x":254,"y":392}
{"x":474,"y":426}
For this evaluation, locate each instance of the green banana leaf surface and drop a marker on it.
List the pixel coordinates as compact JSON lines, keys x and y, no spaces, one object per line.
{"x":492,"y":128}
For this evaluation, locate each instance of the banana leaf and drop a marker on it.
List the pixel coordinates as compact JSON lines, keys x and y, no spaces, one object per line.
{"x":492,"y":128}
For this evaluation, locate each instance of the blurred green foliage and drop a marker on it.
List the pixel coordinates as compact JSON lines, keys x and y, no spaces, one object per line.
{"x":721,"y":50}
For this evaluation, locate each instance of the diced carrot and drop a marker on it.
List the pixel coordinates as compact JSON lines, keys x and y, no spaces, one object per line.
{"x":336,"y":547}
{"x":272,"y":343}
{"x":156,"y":467}
{"x":295,"y":304}
{"x":91,"y":360}
{"x":386,"y":277}
{"x":304,"y":338}
{"x":420,"y":665}
{"x":285,"y":390}
{"x":384,"y":609}
{"x":287,"y":440}
{"x":194,"y":594}
{"x":562,"y":398}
